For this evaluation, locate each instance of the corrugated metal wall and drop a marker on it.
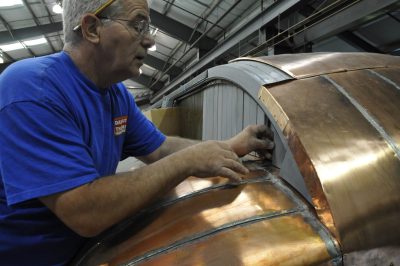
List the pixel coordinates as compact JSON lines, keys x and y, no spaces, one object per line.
{"x":192,"y":116}
{"x":225,"y":110}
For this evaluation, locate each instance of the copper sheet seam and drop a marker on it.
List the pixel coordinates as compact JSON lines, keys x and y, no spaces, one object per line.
{"x":385,"y":79}
{"x":260,"y":179}
{"x":331,"y":244}
{"x":209,"y":233}
{"x":391,"y":142}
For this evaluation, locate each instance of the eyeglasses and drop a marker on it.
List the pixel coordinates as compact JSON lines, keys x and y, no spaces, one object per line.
{"x":96,"y":12}
{"x":141,"y":26}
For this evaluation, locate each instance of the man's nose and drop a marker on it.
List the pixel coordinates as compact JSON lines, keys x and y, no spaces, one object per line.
{"x":148,"y":40}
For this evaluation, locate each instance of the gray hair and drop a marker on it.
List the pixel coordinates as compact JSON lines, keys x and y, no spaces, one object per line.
{"x":73,"y":10}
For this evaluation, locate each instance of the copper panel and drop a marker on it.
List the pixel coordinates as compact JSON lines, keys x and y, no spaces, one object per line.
{"x":314,"y":64}
{"x":303,"y":161}
{"x":380,"y":98}
{"x":352,"y":173}
{"x":287,"y":240}
{"x":194,"y":215}
{"x":390,"y":73}
{"x":193,"y":184}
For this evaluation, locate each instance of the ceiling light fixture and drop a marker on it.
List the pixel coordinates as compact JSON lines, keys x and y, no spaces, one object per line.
{"x":140,"y":71}
{"x":153,"y":48}
{"x":11,"y":3}
{"x":1,"y":60}
{"x":11,"y":47}
{"x":33,"y":42}
{"x":57,"y":9}
{"x":153,"y":31}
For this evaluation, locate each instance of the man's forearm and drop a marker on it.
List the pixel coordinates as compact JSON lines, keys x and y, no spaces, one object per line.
{"x":170,"y":146}
{"x":92,"y":208}
{"x":176,"y":144}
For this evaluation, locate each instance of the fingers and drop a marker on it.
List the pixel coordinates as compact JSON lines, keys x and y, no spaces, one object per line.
{"x":261,"y":140}
{"x":262,"y":131}
{"x":233,"y":163}
{"x":216,"y":158}
{"x":264,"y":154}
{"x":236,"y":166}
{"x":232,"y":175}
{"x":263,"y":144}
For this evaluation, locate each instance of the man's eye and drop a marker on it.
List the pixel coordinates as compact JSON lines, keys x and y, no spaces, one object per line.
{"x":137,"y":25}
{"x":133,"y":24}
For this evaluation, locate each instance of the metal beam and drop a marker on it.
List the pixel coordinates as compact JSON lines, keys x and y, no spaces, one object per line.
{"x":52,"y":20}
{"x":241,"y":33}
{"x":391,"y":47}
{"x":4,"y":66}
{"x":147,"y":80}
{"x":28,"y":6}
{"x":180,"y":31}
{"x":204,"y":34}
{"x":30,"y":32}
{"x":356,"y":41}
{"x":167,"y":7}
{"x":166,"y":24}
{"x":160,"y":65}
{"x":11,"y":32}
{"x":357,"y":14}
{"x":142,"y":79}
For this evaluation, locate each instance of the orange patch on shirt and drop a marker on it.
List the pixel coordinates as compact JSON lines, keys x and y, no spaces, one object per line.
{"x":120,"y":124}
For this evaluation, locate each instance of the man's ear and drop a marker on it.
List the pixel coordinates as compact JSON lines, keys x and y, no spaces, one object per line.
{"x":90,"y":28}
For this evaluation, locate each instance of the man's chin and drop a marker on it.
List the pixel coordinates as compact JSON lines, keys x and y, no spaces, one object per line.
{"x":133,"y":73}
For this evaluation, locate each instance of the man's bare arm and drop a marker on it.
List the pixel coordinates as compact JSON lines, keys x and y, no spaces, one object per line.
{"x":94,"y":207}
{"x":90,"y":209}
{"x":252,"y":138}
{"x":170,"y":145}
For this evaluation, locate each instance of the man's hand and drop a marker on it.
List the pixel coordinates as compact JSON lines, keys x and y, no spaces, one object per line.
{"x":213,"y":158}
{"x":257,"y":138}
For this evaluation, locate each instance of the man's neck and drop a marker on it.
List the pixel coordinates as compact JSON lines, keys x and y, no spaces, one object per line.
{"x":86,"y":61}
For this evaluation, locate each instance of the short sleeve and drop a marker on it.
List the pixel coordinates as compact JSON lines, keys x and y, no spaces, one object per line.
{"x":142,"y":136}
{"x":42,"y":151}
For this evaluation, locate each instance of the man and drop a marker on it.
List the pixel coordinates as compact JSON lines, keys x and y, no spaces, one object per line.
{"x":61,"y":138}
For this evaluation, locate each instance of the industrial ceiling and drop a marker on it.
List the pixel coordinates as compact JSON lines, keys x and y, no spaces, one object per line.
{"x":193,"y":35}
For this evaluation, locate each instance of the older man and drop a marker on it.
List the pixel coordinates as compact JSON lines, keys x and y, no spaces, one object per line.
{"x":61,"y":138}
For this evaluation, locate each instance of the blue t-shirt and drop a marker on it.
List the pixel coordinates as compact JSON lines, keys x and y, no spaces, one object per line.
{"x":58,"y":131}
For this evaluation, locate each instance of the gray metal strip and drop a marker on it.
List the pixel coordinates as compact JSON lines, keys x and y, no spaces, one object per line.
{"x":385,"y":79}
{"x":209,"y":233}
{"x":331,"y":246}
{"x":260,"y":179}
{"x":391,"y":142}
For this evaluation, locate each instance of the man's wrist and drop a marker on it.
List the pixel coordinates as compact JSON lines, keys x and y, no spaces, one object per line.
{"x":231,"y":143}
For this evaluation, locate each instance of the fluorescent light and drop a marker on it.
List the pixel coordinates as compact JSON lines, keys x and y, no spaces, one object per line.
{"x":57,"y":9}
{"x":9,"y":3}
{"x":1,"y":60}
{"x":35,"y":42}
{"x":11,"y":47}
{"x":140,"y":71}
{"x":153,"y":48}
{"x":153,"y":31}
